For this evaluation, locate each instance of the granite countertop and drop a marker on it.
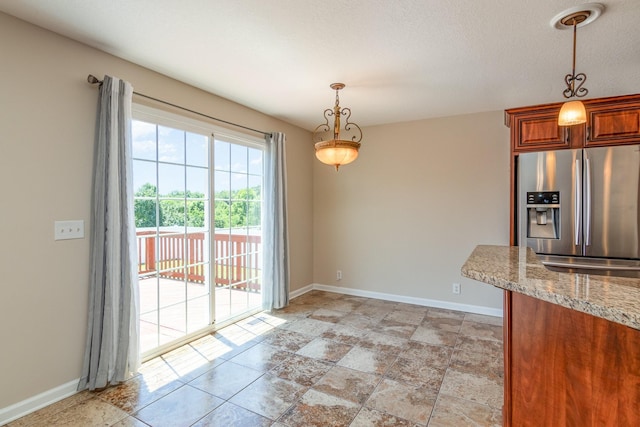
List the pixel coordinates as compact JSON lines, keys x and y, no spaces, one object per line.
{"x":518,"y":269}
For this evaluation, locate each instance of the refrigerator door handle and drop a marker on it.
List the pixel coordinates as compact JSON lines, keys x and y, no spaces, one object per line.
{"x":587,"y":211}
{"x":578,"y":203}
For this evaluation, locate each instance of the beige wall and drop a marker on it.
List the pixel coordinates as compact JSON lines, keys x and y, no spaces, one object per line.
{"x":47,"y":116}
{"x":403,"y":218}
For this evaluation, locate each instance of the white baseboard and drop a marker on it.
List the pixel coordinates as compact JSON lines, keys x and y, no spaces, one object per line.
{"x":301,"y":291}
{"x":38,"y":401}
{"x":476,"y":309}
{"x":41,"y":400}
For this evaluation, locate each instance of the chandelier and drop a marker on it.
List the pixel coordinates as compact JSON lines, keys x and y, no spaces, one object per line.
{"x":336,"y":151}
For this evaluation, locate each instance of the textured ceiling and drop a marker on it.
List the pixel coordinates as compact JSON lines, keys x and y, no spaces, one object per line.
{"x":400,"y":59}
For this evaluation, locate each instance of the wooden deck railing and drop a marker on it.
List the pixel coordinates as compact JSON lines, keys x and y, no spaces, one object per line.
{"x":237,"y":257}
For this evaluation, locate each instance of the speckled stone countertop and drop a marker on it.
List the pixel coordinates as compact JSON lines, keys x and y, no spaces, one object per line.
{"x":519,"y":270}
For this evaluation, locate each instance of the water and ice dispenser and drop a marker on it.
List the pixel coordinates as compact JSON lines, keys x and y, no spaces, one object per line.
{"x":543,"y":214}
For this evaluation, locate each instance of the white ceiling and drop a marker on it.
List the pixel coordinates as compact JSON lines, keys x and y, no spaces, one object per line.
{"x":400,"y":59}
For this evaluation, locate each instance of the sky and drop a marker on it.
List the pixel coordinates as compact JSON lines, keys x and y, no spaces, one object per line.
{"x":183,"y":157}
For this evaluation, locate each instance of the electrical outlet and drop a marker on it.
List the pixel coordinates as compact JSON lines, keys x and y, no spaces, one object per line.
{"x":64,"y":230}
{"x":339,"y":275}
{"x":456,"y":288}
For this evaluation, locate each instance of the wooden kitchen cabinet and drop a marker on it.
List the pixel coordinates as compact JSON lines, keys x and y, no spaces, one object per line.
{"x":610,"y":121}
{"x":536,"y":129}
{"x":613,"y":123}
{"x":568,"y":368}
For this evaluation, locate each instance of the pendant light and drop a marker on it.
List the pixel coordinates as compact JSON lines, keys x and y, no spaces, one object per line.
{"x":336,"y":151}
{"x":573,"y":112}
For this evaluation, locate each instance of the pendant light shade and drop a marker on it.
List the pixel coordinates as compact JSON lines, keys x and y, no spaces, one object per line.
{"x":336,"y":151}
{"x":572,"y":113}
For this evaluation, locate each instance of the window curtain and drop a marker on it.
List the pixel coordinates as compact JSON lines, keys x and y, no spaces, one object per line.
{"x":112,"y":349}
{"x":276,"y":236}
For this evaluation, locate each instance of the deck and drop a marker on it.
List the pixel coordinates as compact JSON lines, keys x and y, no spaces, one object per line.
{"x":171,"y":322}
{"x":173,"y":274}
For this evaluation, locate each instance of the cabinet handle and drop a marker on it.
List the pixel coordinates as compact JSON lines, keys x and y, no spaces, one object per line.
{"x":588,"y":133}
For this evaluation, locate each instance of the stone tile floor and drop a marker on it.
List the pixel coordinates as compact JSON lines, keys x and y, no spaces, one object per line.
{"x":326,"y":360}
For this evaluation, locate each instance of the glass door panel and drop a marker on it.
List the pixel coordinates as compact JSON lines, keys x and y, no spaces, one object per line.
{"x":171,"y":203}
{"x":238,"y":233}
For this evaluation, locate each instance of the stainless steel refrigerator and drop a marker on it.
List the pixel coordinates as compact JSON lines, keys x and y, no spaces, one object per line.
{"x":578,"y":209}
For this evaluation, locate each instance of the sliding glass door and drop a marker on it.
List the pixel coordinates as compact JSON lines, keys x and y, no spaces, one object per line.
{"x":199,"y":257}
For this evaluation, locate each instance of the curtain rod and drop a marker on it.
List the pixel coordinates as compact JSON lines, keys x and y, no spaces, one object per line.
{"x":94,"y":80}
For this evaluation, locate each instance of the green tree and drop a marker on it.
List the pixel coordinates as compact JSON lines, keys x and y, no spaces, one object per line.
{"x":171,"y":208}
{"x":239,"y":208}
{"x":195,"y":213}
{"x":145,"y":210}
{"x":174,"y":212}
{"x":222,"y":214}
{"x":238,"y":213}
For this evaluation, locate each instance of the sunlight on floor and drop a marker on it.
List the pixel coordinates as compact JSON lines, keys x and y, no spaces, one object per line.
{"x":191,"y":358}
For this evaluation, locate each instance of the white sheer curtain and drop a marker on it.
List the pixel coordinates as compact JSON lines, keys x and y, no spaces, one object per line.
{"x":112,"y":353}
{"x":275,"y":234}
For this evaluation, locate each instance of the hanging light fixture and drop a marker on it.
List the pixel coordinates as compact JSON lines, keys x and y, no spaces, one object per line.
{"x":336,"y":151}
{"x":573,"y":112}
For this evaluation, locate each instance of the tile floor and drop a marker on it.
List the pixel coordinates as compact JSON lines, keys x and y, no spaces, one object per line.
{"x":326,"y":360}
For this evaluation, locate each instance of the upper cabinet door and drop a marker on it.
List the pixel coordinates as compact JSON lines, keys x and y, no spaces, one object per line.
{"x":537,"y":130}
{"x":613,"y":123}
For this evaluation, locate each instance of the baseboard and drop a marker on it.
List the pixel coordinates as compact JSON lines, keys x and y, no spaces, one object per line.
{"x":301,"y":291}
{"x":476,"y":309}
{"x":38,"y":401}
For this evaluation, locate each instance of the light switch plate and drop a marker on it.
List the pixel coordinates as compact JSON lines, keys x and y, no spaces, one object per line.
{"x":64,"y":230}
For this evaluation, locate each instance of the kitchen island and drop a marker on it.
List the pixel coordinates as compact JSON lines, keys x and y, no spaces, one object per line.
{"x":572,"y":341}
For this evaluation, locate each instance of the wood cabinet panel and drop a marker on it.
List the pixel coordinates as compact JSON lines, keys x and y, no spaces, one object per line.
{"x":569,"y":368}
{"x":538,"y":131}
{"x":541,"y":132}
{"x":613,"y":125}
